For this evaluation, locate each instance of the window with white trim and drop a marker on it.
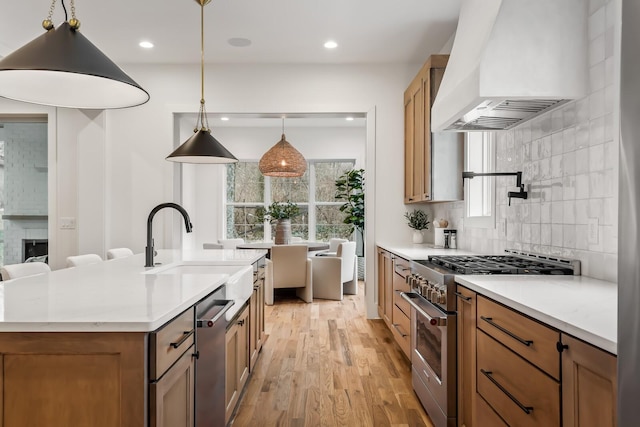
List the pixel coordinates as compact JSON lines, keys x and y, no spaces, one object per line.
{"x":314,"y":193}
{"x":479,"y":192}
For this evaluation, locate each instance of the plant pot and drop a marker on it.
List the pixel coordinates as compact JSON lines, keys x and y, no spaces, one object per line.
{"x":283,"y":232}
{"x":418,"y":236}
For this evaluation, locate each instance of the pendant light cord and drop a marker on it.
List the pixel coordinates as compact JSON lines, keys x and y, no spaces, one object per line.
{"x":203,"y":121}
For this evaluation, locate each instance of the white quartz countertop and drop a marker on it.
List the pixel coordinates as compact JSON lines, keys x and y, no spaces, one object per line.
{"x":117,"y":295}
{"x":411,"y":251}
{"x":580,"y":306}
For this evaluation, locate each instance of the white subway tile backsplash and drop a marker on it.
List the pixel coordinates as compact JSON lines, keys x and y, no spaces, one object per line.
{"x":569,"y":236}
{"x":597,"y":22}
{"x":582,"y":237}
{"x":556,"y":166}
{"x":597,"y":50}
{"x":569,"y":212}
{"x":582,"y":211}
{"x":556,"y":235}
{"x":582,"y":135}
{"x":569,"y":187}
{"x":557,"y":213}
{"x":582,"y":160}
{"x":582,"y":186}
{"x":596,"y":158}
{"x":597,"y":77}
{"x":596,"y":184}
{"x":557,"y":143}
{"x":596,"y":104}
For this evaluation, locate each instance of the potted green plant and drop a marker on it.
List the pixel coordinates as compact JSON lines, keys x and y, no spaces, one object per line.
{"x":281,"y":214}
{"x":350,"y":188}
{"x":418,"y":220}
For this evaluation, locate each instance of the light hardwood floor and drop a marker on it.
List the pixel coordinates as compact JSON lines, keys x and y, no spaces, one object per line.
{"x":325,"y":364}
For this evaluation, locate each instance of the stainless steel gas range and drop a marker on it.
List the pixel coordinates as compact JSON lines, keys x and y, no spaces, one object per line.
{"x":434,"y":320}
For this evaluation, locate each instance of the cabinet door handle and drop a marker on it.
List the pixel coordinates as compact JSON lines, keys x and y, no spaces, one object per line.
{"x":463,"y":297}
{"x":527,"y":409}
{"x":241,"y":322}
{"x":185,"y":336}
{"x":402,"y":334}
{"x":490,"y":321}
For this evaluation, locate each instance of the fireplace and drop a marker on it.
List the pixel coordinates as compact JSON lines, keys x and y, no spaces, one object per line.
{"x":38,"y":249}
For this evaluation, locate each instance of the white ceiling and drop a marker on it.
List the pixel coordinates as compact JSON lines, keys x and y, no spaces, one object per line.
{"x":281,"y":31}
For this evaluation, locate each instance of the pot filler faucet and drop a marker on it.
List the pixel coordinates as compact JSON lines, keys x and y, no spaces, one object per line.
{"x":517,"y":194}
{"x":149,"y":251}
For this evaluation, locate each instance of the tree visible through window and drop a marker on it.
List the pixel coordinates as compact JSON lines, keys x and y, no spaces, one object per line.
{"x":314,"y":192}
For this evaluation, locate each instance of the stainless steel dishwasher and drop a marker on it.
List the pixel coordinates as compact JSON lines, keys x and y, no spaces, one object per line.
{"x":211,"y":324}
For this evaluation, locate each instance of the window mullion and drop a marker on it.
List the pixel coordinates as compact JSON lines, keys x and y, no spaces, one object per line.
{"x":311,"y":211}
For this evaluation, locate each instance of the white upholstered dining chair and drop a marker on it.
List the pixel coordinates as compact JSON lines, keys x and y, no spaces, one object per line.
{"x":289,"y":267}
{"x":336,"y":275}
{"x":119,"y":253}
{"x":14,"y":271}
{"x":230,"y":243}
{"x":78,"y":260}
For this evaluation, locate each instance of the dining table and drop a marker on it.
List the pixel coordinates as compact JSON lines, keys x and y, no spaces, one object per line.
{"x":311,"y":245}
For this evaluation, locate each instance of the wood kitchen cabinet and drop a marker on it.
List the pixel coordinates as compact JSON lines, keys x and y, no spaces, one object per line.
{"x":237,"y":360}
{"x":518,"y":366}
{"x":466,"y":302}
{"x":418,"y":100}
{"x":256,"y":315}
{"x":401,"y":315}
{"x":172,"y":397}
{"x":73,"y":379}
{"x":385,"y":286}
{"x":589,"y":385}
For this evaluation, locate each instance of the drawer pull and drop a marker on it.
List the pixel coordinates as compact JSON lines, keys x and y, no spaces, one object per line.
{"x":402,"y":334}
{"x":463,"y":297}
{"x":527,"y":409}
{"x":490,"y":321}
{"x":185,"y":336}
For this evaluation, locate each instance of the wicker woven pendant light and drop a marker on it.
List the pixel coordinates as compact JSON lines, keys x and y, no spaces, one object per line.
{"x":201,"y":147}
{"x":283,"y":160}
{"x":63,"y":68}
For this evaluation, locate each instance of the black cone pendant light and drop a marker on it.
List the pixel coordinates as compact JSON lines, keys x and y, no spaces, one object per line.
{"x":283,"y":160}
{"x":202,"y":147}
{"x":63,"y":68}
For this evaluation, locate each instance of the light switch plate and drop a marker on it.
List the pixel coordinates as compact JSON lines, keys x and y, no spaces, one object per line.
{"x":67,"y":223}
{"x":593,"y":231}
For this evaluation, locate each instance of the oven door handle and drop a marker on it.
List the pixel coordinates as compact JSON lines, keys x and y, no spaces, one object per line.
{"x":435,"y":321}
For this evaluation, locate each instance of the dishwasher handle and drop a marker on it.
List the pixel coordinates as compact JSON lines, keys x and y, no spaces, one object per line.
{"x":208,"y":323}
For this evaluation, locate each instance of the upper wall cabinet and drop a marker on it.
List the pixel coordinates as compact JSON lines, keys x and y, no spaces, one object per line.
{"x":432,"y":162}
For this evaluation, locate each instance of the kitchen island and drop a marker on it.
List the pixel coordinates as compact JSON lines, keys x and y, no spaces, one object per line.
{"x":109,"y":344}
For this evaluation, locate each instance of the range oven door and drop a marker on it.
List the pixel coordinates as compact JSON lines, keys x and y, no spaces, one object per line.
{"x":433,"y":352}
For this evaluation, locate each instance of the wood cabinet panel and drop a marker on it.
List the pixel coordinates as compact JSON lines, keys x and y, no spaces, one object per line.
{"x":589,"y":385}
{"x":63,"y":379}
{"x":527,"y":337}
{"x":385,"y":286}
{"x":172,"y":397}
{"x":171,"y":341}
{"x":236,"y":361}
{"x":418,"y":100}
{"x":401,"y":329}
{"x":522,"y":394}
{"x":466,"y":359}
{"x":485,"y":416}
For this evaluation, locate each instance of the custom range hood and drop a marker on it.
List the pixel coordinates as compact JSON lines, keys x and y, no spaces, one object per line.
{"x":512,"y":60}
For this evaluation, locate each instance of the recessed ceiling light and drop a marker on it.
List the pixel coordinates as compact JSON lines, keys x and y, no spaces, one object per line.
{"x":349,"y":119}
{"x":331,"y":44}
{"x":239,"y":42}
{"x":224,"y":119}
{"x":145,"y":44}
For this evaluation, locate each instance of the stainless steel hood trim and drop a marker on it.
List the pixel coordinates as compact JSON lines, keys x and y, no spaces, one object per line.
{"x":511,"y":61}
